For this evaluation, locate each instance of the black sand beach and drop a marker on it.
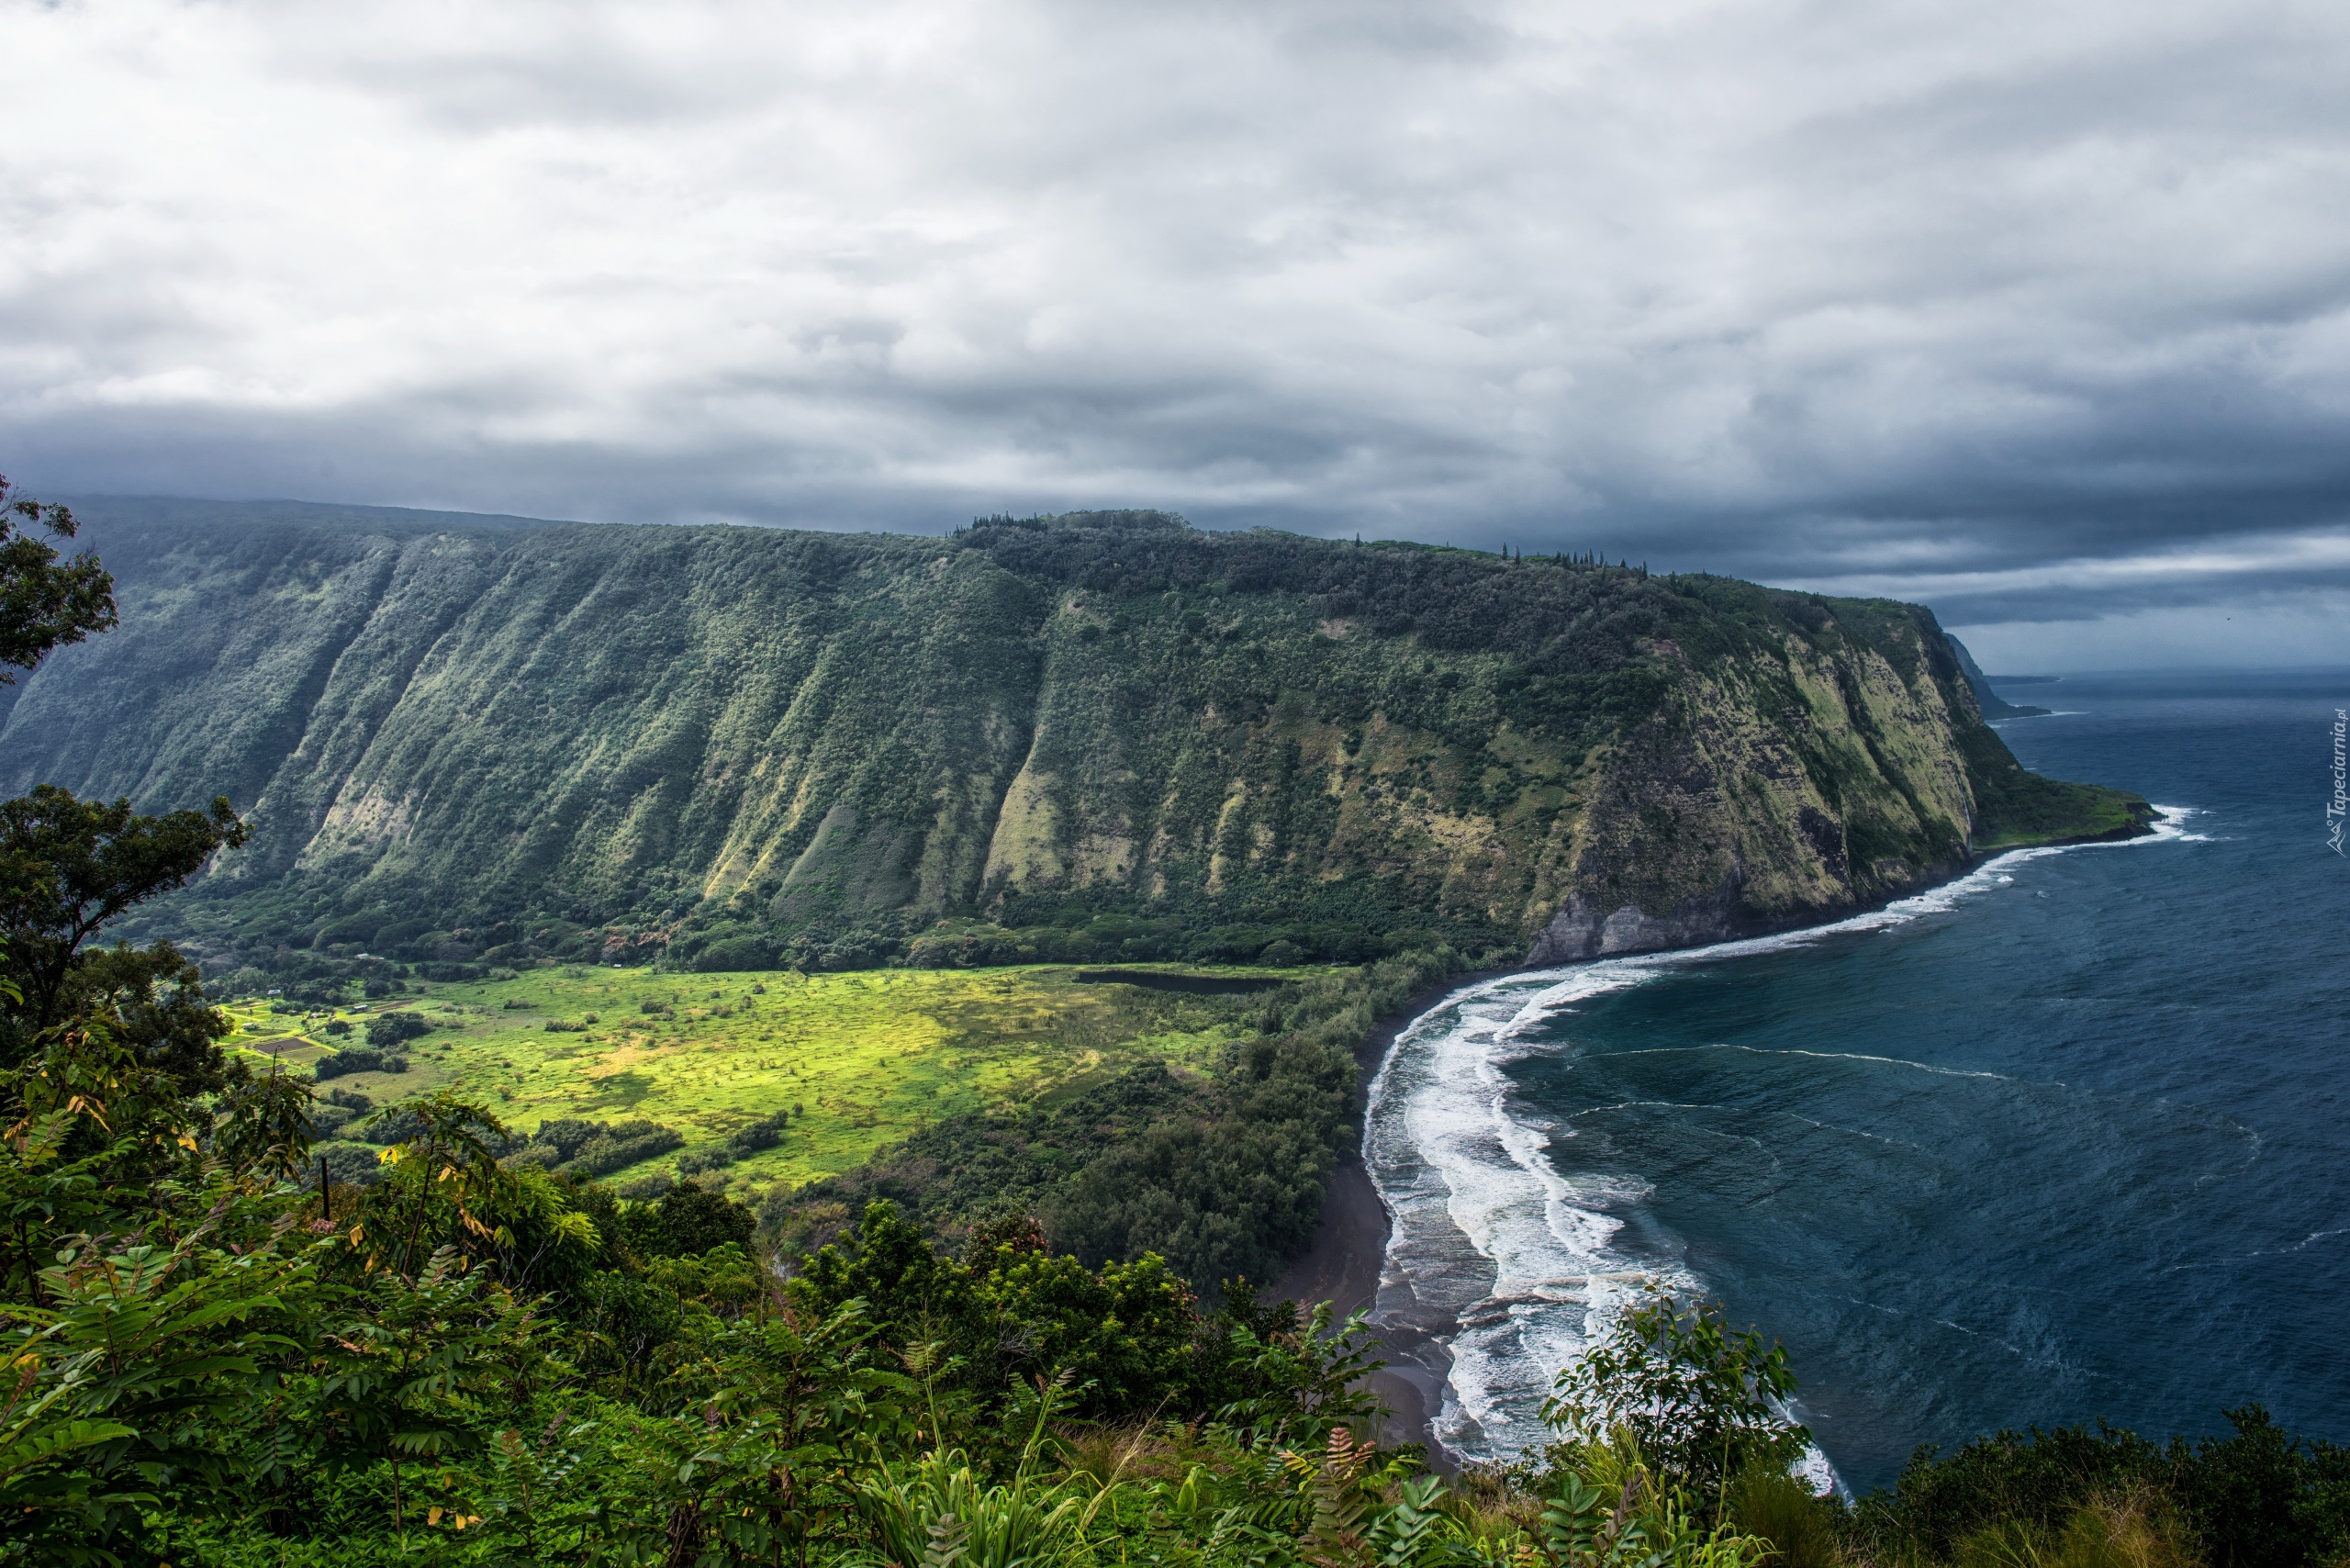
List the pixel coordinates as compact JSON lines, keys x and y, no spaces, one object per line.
{"x":1343,"y":1265}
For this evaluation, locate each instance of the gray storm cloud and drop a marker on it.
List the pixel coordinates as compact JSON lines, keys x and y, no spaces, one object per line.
{"x":2039,"y":313}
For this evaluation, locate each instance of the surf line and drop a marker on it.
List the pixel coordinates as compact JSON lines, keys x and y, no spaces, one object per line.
{"x":1499,"y":1270}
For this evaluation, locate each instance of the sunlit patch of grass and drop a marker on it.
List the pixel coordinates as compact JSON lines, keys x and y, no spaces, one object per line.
{"x":860,"y":1059}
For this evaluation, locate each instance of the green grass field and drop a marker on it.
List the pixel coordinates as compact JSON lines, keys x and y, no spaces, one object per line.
{"x":866,"y":1058}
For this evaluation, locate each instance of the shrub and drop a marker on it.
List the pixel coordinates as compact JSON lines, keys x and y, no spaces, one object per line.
{"x":737,"y":953}
{"x":585,"y":1148}
{"x":388,"y":1029}
{"x":566,"y":1135}
{"x":357,"y":1059}
{"x":1698,"y":1399}
{"x":394,"y":1126}
{"x":326,"y":1119}
{"x":765,"y":1133}
{"x":1800,"y":1524}
{"x":2259,"y":1497}
{"x":349,"y":1164}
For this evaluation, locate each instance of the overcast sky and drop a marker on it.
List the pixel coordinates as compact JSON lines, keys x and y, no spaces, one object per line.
{"x":2037,"y":311}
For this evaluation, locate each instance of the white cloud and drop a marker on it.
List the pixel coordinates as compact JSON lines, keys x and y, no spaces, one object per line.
{"x":1788,"y":289}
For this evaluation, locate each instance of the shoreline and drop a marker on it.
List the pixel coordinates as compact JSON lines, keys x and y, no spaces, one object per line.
{"x":1344,"y":1263}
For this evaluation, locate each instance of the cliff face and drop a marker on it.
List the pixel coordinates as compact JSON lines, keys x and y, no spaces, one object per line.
{"x":1819,"y":775}
{"x":439,"y":727}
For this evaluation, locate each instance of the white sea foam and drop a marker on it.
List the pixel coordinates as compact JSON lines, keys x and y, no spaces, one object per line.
{"x":1487,"y":1234}
{"x":2173,"y":827}
{"x":1518,"y":1266}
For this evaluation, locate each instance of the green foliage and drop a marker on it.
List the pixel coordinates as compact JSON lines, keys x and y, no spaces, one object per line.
{"x":2258,"y":1497}
{"x":358,"y":1058}
{"x":44,"y":603}
{"x":1804,"y":1528}
{"x":1130,"y":1336}
{"x":68,"y":867}
{"x":1611,"y":1510}
{"x":1223,"y":1178}
{"x":1691,"y":1396}
{"x":793,"y":1077}
{"x":387,"y":1030}
{"x":585,"y":1149}
{"x":688,"y":1222}
{"x":939,"y":1509}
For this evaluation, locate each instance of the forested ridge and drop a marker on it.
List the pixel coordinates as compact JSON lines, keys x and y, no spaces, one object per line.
{"x":1105,"y":736}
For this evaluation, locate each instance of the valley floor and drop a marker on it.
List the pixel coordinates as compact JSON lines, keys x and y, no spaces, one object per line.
{"x":860,"y":1059}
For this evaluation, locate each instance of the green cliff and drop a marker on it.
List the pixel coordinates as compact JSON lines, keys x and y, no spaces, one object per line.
{"x":476,"y":739}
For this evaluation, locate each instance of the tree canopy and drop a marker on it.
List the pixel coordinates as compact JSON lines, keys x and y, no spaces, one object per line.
{"x":45,"y":601}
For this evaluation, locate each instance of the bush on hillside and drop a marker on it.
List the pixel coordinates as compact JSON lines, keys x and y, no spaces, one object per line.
{"x":583,"y":1149}
{"x":765,"y":1133}
{"x":389,"y":1029}
{"x":348,"y":1164}
{"x":357,"y":1059}
{"x":627,"y":1144}
{"x":696,"y":1161}
{"x":2259,"y":1497}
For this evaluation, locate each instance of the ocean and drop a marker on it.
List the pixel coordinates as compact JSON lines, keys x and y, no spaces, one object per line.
{"x":2061,"y":1141}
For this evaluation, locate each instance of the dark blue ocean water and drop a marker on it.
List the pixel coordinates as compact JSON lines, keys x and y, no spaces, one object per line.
{"x":2065,"y":1142}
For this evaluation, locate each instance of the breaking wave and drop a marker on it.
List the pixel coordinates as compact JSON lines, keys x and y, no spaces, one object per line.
{"x":1512,"y":1267}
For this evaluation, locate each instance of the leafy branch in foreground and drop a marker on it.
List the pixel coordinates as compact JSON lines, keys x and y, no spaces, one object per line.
{"x":67,"y":868}
{"x":1690,"y":1395}
{"x":45,"y":603}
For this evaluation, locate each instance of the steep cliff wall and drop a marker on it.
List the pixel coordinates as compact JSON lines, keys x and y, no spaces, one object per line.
{"x":443,"y":730}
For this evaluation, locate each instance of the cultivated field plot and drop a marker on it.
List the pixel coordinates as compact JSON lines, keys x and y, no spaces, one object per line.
{"x":860,"y":1059}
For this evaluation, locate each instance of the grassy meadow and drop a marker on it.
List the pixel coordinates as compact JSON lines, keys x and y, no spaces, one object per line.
{"x":863,"y":1058}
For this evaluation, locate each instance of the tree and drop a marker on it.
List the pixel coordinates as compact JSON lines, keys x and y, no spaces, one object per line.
{"x":1123,"y":1334}
{"x":1698,"y":1400}
{"x":67,"y":867}
{"x":389,"y":1029}
{"x":688,"y":1222}
{"x":44,"y":603}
